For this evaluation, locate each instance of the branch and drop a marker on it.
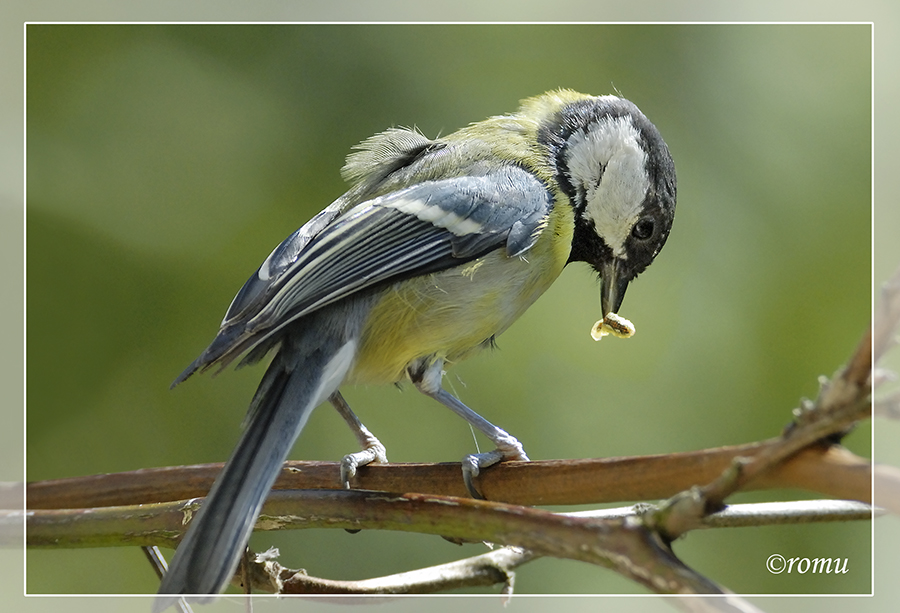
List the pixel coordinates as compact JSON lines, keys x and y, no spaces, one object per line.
{"x":828,"y":470}
{"x":842,"y":401}
{"x":619,"y":544}
{"x":498,"y":566}
{"x":164,"y":524}
{"x":487,"y":569}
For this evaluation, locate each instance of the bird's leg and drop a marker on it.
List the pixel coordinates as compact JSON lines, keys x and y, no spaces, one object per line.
{"x":427,"y":380}
{"x":372,"y":449}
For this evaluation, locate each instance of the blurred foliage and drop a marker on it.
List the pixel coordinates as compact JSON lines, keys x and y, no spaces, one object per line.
{"x":165,"y":162}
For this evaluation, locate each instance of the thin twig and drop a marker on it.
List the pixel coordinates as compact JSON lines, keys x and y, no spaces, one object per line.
{"x":758,"y":514}
{"x":483,"y":570}
{"x":156,"y":559}
{"x":158,"y":562}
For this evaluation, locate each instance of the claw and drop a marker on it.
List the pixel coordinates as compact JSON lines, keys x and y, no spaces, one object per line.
{"x":350,"y":462}
{"x":372,"y":449}
{"x":473,"y":463}
{"x":470,"y":470}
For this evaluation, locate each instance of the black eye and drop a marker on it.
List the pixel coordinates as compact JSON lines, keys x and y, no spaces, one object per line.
{"x":643,"y":229}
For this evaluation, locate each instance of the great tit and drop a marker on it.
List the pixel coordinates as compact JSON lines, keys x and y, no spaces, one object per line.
{"x":438,"y":247}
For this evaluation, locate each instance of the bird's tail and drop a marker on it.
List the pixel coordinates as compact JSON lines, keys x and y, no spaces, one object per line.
{"x":293,"y":386}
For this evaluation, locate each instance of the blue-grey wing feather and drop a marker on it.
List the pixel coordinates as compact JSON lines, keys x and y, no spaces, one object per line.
{"x":426,"y":228}
{"x":280,"y":260}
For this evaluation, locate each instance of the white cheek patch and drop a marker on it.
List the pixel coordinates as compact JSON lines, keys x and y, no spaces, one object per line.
{"x":437,"y":216}
{"x":607,"y":161}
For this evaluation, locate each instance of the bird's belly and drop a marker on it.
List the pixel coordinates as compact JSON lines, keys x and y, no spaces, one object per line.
{"x":448,"y":315}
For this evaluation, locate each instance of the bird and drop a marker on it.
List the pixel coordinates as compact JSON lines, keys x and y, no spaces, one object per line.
{"x":437,"y":247}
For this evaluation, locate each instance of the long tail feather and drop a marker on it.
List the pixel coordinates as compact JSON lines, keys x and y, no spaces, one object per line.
{"x":208,"y":555}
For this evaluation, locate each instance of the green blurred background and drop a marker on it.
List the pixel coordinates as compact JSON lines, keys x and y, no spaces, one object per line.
{"x":165,"y":162}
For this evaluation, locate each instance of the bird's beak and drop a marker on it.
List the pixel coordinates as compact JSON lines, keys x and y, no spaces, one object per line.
{"x":612,"y":286}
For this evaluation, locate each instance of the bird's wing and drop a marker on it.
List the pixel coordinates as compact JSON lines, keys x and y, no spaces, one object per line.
{"x":431,"y":226}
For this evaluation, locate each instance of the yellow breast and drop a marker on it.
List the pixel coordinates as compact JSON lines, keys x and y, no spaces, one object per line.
{"x":452,"y":313}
